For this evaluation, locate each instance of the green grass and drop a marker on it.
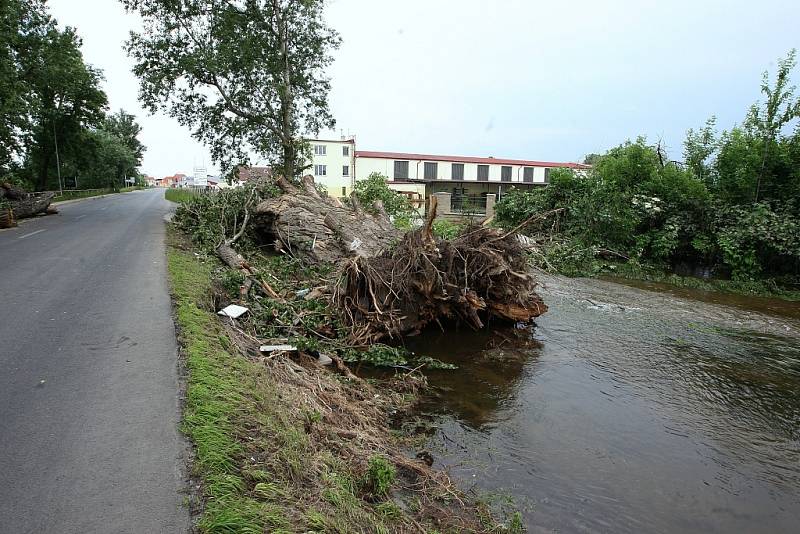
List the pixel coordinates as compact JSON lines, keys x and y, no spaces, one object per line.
{"x":762,"y":288}
{"x":215,"y":393}
{"x":267,"y":458}
{"x":180,"y":195}
{"x":73,"y":195}
{"x":234,"y":412}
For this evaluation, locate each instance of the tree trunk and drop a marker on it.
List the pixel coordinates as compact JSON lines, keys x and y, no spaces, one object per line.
{"x":306,"y":225}
{"x":31,"y":205}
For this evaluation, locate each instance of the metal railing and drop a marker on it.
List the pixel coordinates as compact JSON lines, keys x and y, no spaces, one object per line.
{"x":468,"y":204}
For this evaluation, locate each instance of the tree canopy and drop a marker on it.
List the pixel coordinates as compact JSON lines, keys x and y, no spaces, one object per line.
{"x":731,"y":207}
{"x":245,"y":76}
{"x":53,"y":110}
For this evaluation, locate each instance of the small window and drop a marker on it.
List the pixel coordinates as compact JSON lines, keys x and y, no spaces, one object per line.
{"x":547,"y":176}
{"x":345,"y":170}
{"x":320,"y":170}
{"x":344,"y":191}
{"x":346,"y":150}
{"x":457,"y":171}
{"x":505,"y":174}
{"x":431,"y":170}
{"x":401,"y":170}
{"x":483,"y":173}
{"x":320,"y":150}
{"x":527,"y":175}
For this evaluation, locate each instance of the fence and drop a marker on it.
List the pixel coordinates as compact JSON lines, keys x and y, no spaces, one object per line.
{"x":468,"y":204}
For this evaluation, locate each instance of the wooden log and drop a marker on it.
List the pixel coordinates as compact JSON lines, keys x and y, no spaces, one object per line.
{"x":31,"y":205}
{"x":311,"y":227}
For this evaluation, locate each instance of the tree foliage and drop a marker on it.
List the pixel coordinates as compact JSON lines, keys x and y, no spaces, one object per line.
{"x":375,"y":188}
{"x":733,"y":207}
{"x":52,"y":109}
{"x":245,"y":76}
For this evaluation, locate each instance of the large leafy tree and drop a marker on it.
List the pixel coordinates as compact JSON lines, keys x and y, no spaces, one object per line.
{"x":124,"y":127}
{"x":23,"y":27}
{"x":68,"y":99}
{"x":245,"y":75}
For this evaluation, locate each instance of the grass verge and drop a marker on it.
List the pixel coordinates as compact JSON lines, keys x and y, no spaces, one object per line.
{"x":769,"y":288}
{"x":180,"y":195}
{"x":285,"y":445}
{"x":74,"y":195}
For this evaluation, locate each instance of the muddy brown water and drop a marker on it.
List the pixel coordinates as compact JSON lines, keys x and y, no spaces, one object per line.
{"x":628,"y":410}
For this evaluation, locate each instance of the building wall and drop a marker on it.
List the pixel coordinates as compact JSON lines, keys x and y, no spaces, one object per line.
{"x":334,"y":160}
{"x":416,"y":170}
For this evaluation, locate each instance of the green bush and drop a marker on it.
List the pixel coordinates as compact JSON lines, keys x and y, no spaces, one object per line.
{"x":379,"y":477}
{"x":210,"y":217}
{"x":375,"y":188}
{"x":444,"y":229}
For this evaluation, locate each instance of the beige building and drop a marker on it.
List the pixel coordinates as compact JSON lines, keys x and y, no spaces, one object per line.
{"x":332,"y":165}
{"x":466,"y":181}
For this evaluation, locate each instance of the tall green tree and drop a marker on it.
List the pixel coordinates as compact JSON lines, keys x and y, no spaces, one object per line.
{"x":124,"y":127}
{"x":245,"y":76}
{"x":68,"y":99}
{"x":767,"y":119}
{"x":23,"y":27}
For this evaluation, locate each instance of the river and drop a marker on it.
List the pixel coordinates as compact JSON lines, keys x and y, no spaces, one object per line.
{"x":628,"y":409}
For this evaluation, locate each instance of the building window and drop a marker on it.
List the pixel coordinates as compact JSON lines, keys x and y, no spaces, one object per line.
{"x":401,"y":170}
{"x":527,"y":175}
{"x":320,"y":150}
{"x":505,"y":174}
{"x":344,"y":191}
{"x":431,"y":170}
{"x":345,"y":170}
{"x":457,"y":171}
{"x":483,"y":173}
{"x":547,"y":176}
{"x":346,"y":150}
{"x":320,"y":170}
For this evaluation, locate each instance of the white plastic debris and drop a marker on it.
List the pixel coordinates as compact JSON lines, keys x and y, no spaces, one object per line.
{"x":233,"y":311}
{"x":276,"y":348}
{"x":324,"y":359}
{"x":355,"y":244}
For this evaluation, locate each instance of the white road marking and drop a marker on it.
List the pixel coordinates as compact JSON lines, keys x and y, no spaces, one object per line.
{"x":81,"y":216}
{"x":32,"y":233}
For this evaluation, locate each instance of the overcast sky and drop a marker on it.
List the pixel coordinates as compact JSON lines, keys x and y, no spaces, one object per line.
{"x":521,"y":79}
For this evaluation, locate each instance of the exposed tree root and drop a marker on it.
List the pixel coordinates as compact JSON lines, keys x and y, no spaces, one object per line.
{"x":479,"y":275}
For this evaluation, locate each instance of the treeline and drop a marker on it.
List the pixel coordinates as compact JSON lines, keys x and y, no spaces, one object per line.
{"x":731,"y":209}
{"x":53,"y":113}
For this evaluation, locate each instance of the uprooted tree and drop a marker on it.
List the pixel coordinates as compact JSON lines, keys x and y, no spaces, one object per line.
{"x":23,"y":204}
{"x":391,"y":284}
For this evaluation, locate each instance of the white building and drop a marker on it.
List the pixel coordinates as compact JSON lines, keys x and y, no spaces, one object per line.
{"x":466,"y":180}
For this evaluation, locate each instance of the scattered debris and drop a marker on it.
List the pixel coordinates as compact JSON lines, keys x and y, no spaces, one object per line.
{"x":277,"y":348}
{"x":233,"y":311}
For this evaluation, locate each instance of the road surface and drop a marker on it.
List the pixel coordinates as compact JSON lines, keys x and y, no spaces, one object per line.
{"x":89,"y":391}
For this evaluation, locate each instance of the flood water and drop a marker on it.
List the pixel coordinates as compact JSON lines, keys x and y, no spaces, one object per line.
{"x":628,"y":410}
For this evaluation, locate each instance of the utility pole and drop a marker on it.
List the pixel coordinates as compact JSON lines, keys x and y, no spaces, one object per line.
{"x":58,"y":162}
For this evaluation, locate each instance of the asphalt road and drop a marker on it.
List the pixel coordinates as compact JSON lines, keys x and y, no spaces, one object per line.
{"x":89,"y":391}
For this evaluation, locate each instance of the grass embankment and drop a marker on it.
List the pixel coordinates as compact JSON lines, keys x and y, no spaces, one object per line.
{"x":768,"y":288}
{"x":74,"y":195}
{"x":180,"y":195}
{"x":285,"y":445}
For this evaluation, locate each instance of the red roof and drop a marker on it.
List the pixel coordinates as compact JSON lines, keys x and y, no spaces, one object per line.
{"x":467,"y":159}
